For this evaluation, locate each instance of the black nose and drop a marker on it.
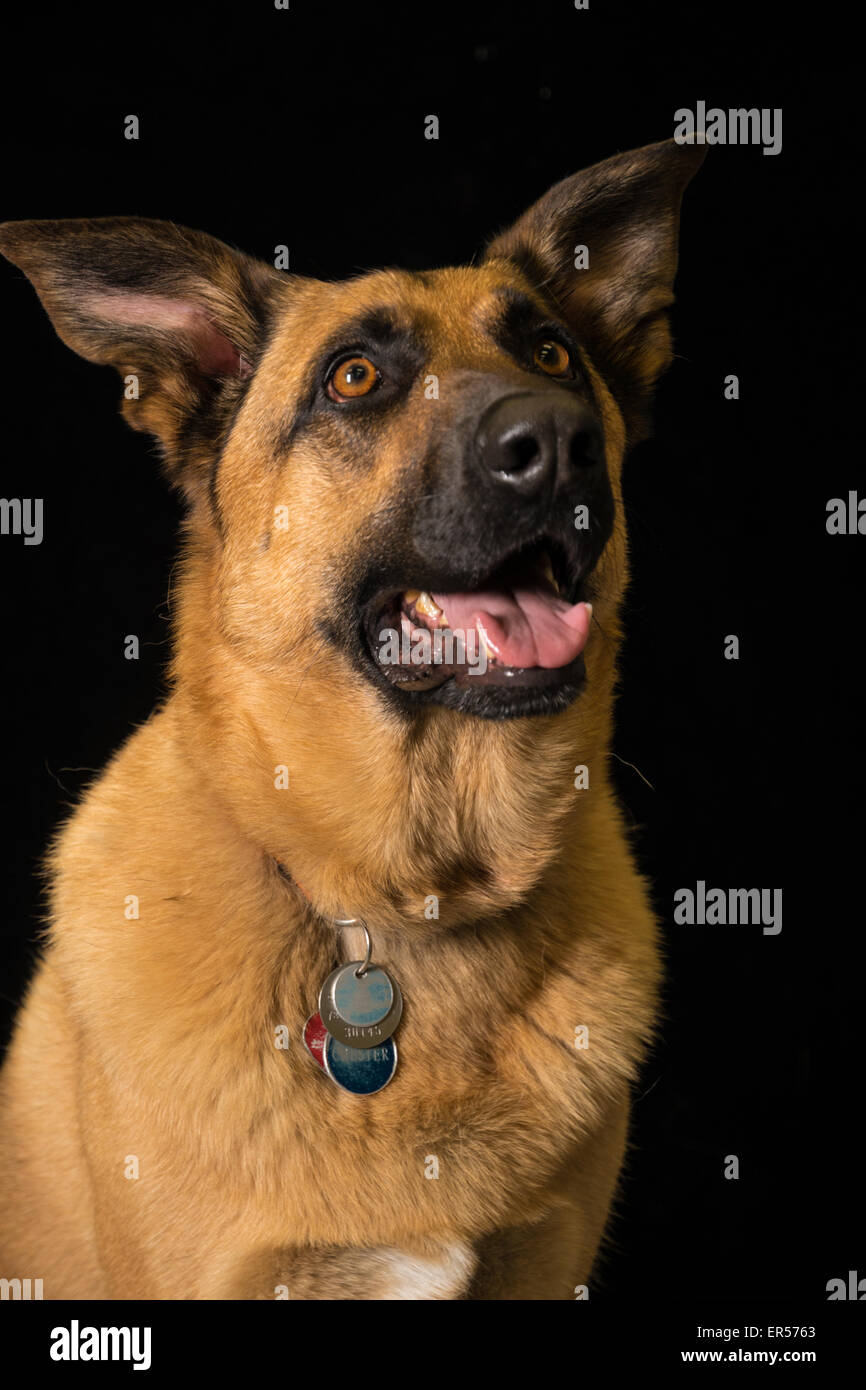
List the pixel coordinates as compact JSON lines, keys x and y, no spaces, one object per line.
{"x":529,"y":443}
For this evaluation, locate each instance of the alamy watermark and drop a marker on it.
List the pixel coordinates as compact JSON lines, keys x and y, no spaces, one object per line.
{"x":736,"y":126}
{"x":77,"y":1343}
{"x":433,"y":647}
{"x":21,"y":1289}
{"x":22,"y":516}
{"x":729,"y":907}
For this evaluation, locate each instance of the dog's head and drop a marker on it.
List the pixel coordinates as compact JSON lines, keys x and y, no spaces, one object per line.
{"x":406,"y":485}
{"x":404,"y":453}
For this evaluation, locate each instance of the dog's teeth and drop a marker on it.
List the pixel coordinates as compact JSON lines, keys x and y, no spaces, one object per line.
{"x":423,"y":602}
{"x":485,"y":645}
{"x":427,"y":605}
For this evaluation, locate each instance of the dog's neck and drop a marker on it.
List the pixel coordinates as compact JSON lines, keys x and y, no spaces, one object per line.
{"x":439,"y":818}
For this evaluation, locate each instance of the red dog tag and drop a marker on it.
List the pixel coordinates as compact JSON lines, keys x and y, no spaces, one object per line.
{"x":315,"y":1037}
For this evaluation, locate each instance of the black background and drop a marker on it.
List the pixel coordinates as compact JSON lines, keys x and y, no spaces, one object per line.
{"x":306,"y":127}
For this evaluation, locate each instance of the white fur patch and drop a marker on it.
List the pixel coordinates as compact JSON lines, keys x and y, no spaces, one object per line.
{"x":426,"y":1276}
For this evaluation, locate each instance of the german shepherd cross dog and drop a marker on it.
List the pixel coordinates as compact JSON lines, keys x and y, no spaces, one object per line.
{"x":404,"y":454}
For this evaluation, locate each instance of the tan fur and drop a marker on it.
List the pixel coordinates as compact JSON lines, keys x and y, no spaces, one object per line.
{"x":156,"y":1037}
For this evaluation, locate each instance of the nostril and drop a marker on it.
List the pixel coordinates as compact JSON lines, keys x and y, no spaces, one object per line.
{"x":583,"y":449}
{"x":521,"y":454}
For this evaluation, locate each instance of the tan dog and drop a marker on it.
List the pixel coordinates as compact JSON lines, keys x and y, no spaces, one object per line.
{"x":406,"y":451}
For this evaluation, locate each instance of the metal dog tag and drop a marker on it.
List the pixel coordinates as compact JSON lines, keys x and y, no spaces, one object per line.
{"x":361,"y":996}
{"x":361,"y":1071}
{"x":343,"y":984}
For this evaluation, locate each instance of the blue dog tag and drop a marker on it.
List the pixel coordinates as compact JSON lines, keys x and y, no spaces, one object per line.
{"x":360,"y":1070}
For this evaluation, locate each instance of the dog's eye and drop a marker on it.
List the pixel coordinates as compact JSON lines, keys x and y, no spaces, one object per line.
{"x":354,"y":377}
{"x":552,"y":357}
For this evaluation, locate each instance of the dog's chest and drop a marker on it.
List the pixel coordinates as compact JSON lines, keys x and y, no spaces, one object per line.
{"x":489,"y":1102}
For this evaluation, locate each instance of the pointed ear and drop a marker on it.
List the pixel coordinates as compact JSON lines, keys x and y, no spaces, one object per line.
{"x":180,"y":315}
{"x":625,"y":212}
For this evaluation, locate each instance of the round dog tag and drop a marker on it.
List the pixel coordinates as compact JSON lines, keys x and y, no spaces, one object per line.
{"x":346,"y":1031}
{"x":361,"y":998}
{"x":315,"y":1035}
{"x":361,"y":1071}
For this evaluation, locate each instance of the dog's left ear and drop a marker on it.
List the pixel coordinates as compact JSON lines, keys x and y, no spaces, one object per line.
{"x":603,"y":245}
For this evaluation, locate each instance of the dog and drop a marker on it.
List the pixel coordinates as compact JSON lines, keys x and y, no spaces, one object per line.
{"x":420,"y":454}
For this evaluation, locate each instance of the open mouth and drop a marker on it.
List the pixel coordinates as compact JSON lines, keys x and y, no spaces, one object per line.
{"x":513,"y":644}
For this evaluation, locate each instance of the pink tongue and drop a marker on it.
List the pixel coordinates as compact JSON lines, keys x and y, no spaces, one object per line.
{"x":523,"y":627}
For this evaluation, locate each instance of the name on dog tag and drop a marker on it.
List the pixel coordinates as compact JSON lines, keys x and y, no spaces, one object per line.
{"x":361,"y":1071}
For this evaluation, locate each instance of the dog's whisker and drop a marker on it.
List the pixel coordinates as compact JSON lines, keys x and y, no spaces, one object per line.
{"x":634,"y":769}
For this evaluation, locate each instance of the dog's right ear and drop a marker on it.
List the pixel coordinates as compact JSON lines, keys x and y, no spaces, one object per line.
{"x":177,"y":311}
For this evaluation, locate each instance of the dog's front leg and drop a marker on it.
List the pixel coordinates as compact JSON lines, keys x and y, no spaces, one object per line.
{"x":433,"y":1269}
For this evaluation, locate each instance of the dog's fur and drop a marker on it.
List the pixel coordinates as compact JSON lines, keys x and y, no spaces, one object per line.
{"x":155,"y":1037}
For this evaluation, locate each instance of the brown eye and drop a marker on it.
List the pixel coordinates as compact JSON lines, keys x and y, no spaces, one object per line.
{"x":355,"y":377}
{"x":552,"y":357}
